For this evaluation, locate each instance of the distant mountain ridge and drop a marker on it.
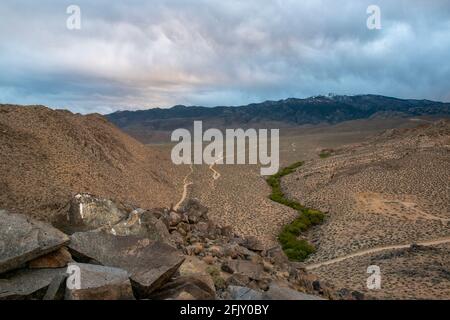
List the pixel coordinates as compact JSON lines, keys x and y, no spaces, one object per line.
{"x":288,"y":112}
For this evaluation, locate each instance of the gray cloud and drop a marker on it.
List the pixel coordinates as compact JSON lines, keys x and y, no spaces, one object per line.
{"x":142,"y":54}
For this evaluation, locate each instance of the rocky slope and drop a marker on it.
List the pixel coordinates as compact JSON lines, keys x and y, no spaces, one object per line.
{"x":46,"y":156}
{"x":133,"y":253}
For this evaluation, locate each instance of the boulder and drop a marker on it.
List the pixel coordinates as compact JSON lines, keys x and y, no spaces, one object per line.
{"x":141,"y":223}
{"x":87,"y":212}
{"x":23,"y":239}
{"x":100,"y":283}
{"x":28,"y":284}
{"x":243,"y":293}
{"x":56,"y":259}
{"x":247,"y":268}
{"x":280,"y":291}
{"x":150,"y":263}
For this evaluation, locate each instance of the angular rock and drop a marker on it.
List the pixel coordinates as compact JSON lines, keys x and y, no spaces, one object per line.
{"x":23,"y":239}
{"x":150,"y":263}
{"x":57,"y":288}
{"x":243,"y":293}
{"x":56,"y":259}
{"x":100,"y":283}
{"x":28,"y":284}
{"x":247,"y":268}
{"x":183,"y":288}
{"x":278,"y":291}
{"x":195,"y":267}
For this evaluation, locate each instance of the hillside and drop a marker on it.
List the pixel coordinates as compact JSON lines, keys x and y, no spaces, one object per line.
{"x":47,"y":156}
{"x":382,"y":196}
{"x":155,"y":125}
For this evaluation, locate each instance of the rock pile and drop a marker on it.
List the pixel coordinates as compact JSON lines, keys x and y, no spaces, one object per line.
{"x":117,"y":251}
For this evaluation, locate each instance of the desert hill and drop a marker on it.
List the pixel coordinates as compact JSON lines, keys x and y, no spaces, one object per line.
{"x":389,"y":192}
{"x":49,"y":155}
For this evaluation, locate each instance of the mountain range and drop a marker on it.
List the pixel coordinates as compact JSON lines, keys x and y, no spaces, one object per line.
{"x":156,"y":124}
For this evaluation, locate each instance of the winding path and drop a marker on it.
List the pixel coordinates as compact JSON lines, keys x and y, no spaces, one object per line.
{"x":216,"y":174}
{"x":375,"y":250}
{"x":186,"y":185}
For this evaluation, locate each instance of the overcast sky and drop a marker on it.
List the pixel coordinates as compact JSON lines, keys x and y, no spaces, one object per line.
{"x":142,"y":54}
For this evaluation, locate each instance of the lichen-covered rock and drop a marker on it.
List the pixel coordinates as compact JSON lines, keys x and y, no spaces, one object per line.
{"x":23,"y":239}
{"x":100,"y":283}
{"x":87,"y":212}
{"x":150,"y":263}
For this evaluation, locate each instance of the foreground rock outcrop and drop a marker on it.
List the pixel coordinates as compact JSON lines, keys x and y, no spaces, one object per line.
{"x":119,"y":251}
{"x":22,"y":239}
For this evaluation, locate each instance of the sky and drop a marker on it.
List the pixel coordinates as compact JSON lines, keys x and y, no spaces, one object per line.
{"x":140,"y":54}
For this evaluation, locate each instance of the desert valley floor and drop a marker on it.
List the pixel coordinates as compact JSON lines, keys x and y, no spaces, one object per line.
{"x":383,"y":190}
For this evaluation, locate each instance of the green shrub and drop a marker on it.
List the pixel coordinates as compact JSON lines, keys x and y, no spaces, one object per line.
{"x":324,"y":155}
{"x":295,"y":249}
{"x":219,"y":282}
{"x":314,"y":216}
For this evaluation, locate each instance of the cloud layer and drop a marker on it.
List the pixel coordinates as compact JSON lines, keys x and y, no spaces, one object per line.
{"x":141,"y":54}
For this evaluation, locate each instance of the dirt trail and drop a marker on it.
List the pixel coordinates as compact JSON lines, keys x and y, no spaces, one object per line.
{"x":186,"y":185}
{"x":216,"y":174}
{"x":375,"y":250}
